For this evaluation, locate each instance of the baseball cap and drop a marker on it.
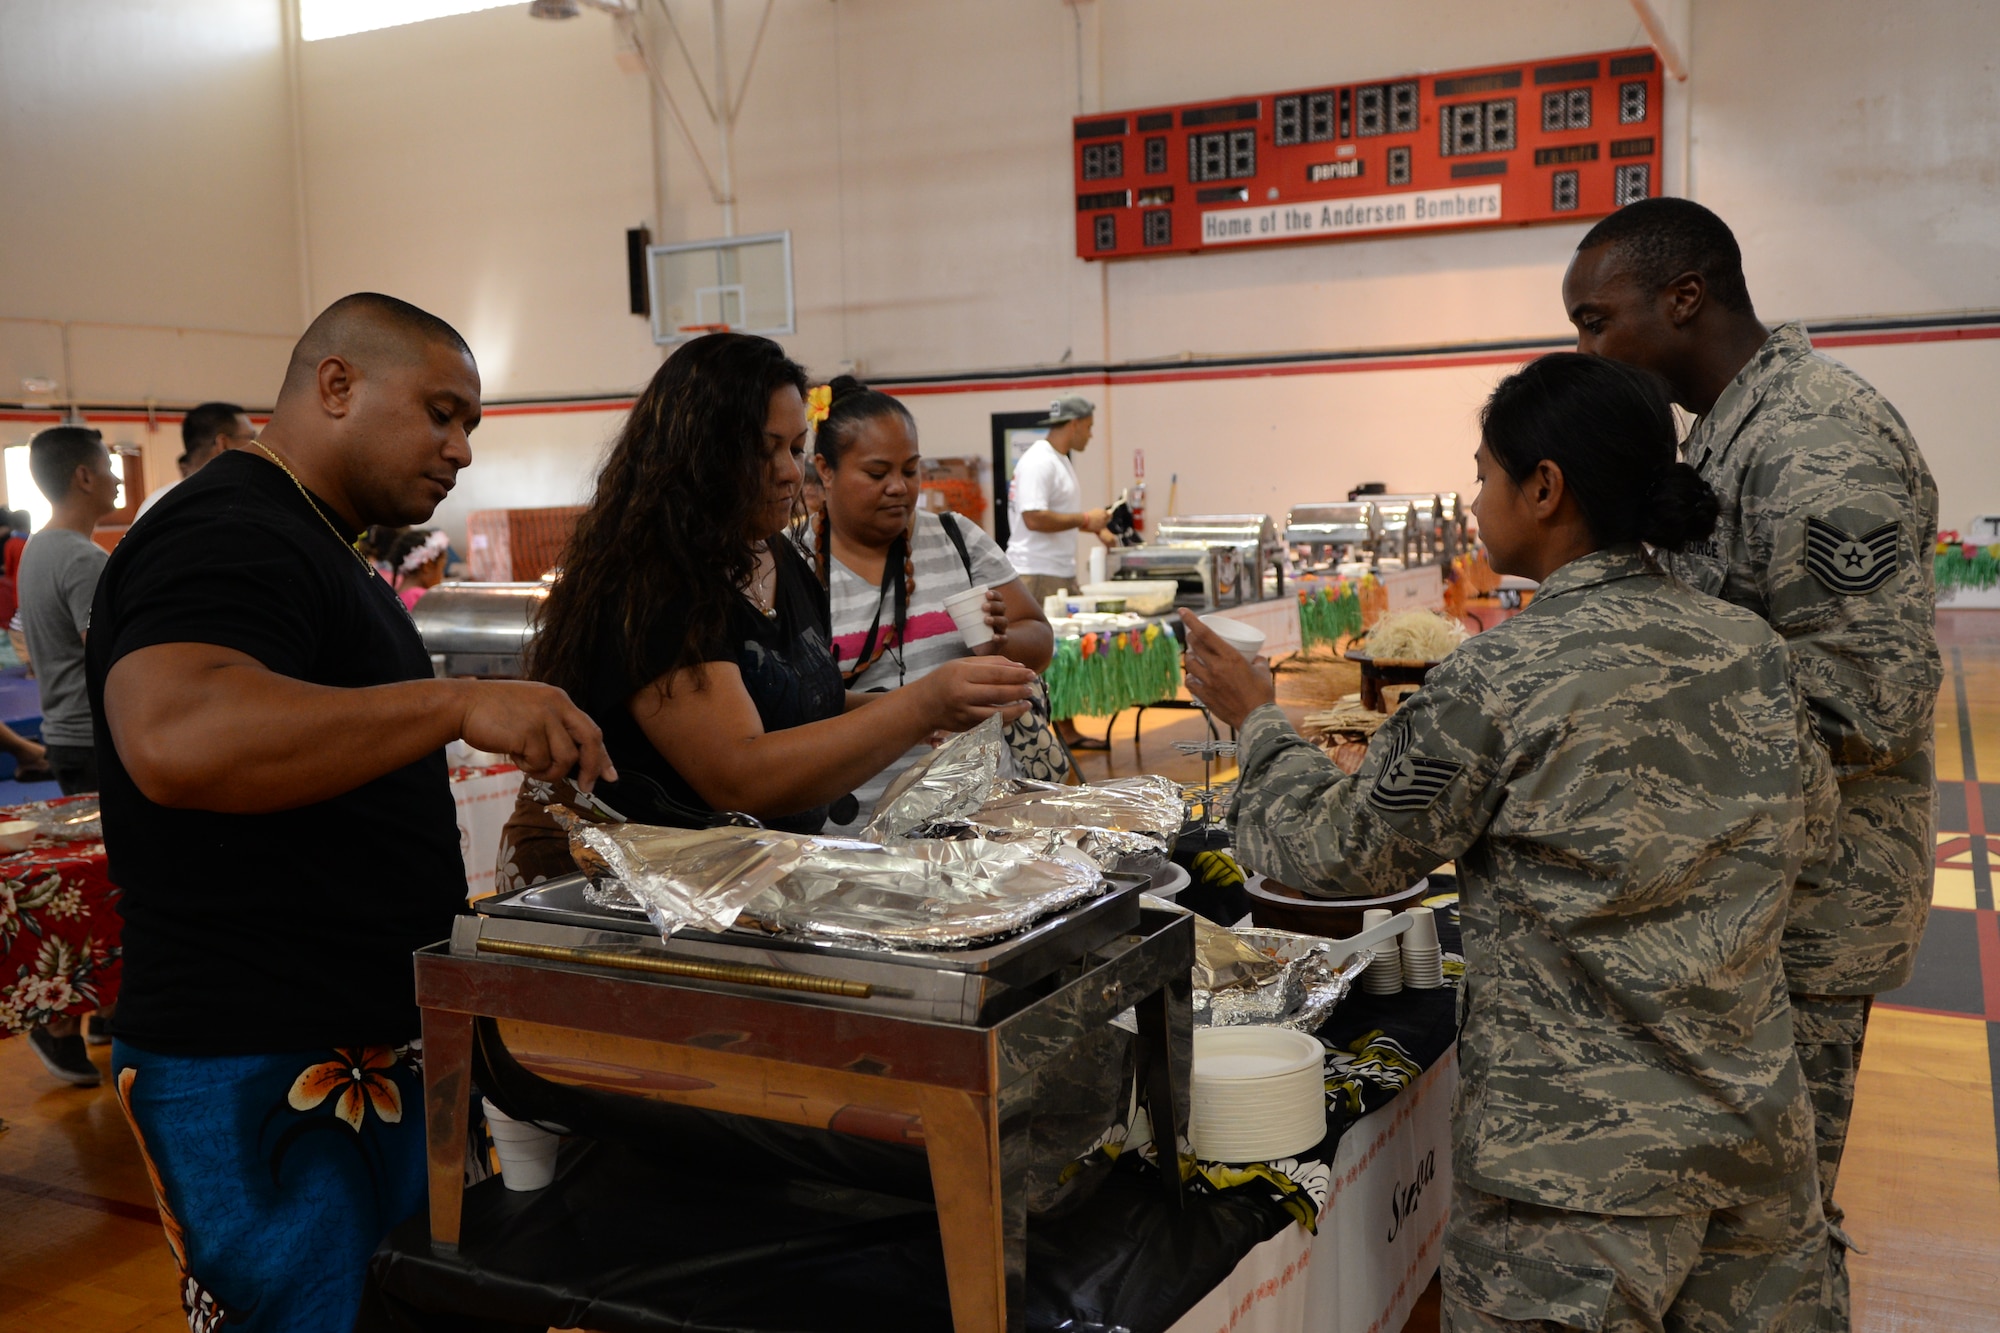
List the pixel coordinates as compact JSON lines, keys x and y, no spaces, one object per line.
{"x":1068,"y":409}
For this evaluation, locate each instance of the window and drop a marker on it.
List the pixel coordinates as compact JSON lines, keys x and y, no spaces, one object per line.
{"x":320,"y":19}
{"x":21,"y":488}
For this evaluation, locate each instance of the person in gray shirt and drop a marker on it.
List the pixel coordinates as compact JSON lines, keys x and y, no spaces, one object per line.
{"x":58,"y":578}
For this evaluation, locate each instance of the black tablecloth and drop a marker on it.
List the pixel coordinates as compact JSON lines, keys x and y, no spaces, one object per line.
{"x":764,"y":1240}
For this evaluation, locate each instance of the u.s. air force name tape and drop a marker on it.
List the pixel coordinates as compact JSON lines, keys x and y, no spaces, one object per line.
{"x":1410,"y":782}
{"x":1848,"y":565}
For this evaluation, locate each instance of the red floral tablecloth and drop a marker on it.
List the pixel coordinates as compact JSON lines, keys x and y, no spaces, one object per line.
{"x":59,"y":925}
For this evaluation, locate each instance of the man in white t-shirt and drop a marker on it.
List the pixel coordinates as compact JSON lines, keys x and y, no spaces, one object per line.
{"x":1046,"y":504}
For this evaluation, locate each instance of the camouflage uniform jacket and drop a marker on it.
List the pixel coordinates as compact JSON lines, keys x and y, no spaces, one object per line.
{"x":1828,"y":515}
{"x":1628,"y":784}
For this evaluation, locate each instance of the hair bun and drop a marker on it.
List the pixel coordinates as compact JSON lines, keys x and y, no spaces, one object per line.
{"x":844,"y":386}
{"x":1679,"y":508}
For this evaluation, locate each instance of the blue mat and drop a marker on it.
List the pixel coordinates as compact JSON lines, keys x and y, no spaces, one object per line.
{"x":20,"y":701}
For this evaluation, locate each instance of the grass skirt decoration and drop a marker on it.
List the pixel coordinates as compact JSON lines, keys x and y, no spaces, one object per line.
{"x":1965,"y":565}
{"x":1097,"y":675}
{"x":1331,"y":612}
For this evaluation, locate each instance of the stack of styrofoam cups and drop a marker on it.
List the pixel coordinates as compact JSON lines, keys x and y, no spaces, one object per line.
{"x":1259,"y":1094}
{"x":968,"y":612}
{"x":1423,"y":956}
{"x":526,"y":1150}
{"x":1384,"y":976}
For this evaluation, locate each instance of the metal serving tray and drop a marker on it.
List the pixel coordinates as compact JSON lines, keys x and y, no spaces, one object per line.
{"x":954,"y":985}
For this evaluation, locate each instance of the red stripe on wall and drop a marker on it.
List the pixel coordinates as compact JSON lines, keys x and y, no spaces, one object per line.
{"x":1189,"y":374}
{"x":1891,"y":338}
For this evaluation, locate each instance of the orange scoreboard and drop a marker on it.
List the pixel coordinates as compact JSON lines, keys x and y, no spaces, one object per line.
{"x":1540,"y":141}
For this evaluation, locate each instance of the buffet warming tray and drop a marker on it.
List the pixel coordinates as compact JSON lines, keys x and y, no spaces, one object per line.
{"x":945,"y":985}
{"x":974,"y":1056}
{"x":479,"y":629}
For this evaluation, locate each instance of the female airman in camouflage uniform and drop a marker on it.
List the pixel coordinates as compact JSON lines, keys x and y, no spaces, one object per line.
{"x":1627,"y":783}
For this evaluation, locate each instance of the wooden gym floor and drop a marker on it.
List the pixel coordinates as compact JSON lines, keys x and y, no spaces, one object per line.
{"x":81,"y":1249}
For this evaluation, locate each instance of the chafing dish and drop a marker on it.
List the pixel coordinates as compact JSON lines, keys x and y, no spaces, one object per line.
{"x":943,"y":986}
{"x":478,"y":629}
{"x":1218,"y":559}
{"x":974,"y":1056}
{"x":1453,"y":522}
{"x":1208,"y":576}
{"x":1397,"y":537}
{"x":1333,"y":531}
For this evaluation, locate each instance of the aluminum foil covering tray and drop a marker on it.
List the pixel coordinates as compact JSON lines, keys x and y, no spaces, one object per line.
{"x":1308,"y":985}
{"x":922,"y":895}
{"x":1124,"y":824}
{"x":949,"y":783}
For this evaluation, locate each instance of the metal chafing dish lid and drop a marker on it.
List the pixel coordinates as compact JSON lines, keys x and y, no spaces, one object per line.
{"x":1395,"y":516}
{"x":1337,"y":520}
{"x":1219,"y":529}
{"x":494,"y":618}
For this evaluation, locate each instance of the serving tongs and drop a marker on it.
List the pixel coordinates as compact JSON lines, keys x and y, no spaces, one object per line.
{"x":564,"y":791}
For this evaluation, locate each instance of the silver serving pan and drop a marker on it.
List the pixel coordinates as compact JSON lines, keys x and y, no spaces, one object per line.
{"x":945,"y":985}
{"x":479,"y":629}
{"x":1332,"y":524}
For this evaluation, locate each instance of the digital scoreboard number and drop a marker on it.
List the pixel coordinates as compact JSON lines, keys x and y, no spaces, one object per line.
{"x":1547,"y":141}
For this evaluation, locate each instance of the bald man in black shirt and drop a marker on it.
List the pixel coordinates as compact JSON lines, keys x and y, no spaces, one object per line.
{"x":278,"y":813}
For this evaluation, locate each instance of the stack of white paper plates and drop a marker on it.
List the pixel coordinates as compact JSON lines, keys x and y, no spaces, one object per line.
{"x":1259,"y":1093}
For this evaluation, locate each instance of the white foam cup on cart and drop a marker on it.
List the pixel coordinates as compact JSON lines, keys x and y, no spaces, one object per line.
{"x":527,"y":1152}
{"x":968,"y":612}
{"x":1384,"y":976}
{"x":1423,"y":956}
{"x":1245,"y":639}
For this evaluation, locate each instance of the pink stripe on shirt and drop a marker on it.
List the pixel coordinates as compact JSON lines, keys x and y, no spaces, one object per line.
{"x":929,"y":624}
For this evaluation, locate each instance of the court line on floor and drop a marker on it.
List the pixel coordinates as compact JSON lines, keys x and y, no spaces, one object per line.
{"x":97,"y":1203}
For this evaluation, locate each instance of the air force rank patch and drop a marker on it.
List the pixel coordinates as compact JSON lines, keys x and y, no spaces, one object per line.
{"x":1848,"y":565}
{"x":1409,"y":782}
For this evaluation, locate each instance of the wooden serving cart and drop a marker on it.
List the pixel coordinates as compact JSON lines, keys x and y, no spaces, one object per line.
{"x":888,"y":1045}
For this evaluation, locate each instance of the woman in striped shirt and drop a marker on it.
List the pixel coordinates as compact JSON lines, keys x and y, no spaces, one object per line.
{"x":888,"y":566}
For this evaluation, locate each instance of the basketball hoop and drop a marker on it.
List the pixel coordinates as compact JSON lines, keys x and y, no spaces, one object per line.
{"x":733,"y":284}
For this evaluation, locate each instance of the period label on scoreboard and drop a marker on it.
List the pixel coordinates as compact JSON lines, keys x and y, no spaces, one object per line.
{"x":1382,"y":212}
{"x":1558,"y":140}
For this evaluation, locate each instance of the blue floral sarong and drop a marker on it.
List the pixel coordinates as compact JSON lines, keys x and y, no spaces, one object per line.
{"x":276,"y":1175}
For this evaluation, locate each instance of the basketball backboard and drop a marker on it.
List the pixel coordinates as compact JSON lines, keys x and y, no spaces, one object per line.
{"x":743,"y":283}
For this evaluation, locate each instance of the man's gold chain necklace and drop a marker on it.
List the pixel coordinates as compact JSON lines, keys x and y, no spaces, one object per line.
{"x":313,"y":505}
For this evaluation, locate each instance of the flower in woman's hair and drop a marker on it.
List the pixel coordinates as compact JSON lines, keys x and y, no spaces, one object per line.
{"x":358,"y":1078}
{"x":819,"y":401}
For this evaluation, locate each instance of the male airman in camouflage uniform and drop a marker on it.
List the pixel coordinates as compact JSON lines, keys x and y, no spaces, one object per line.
{"x":1628,"y":786}
{"x":1828,"y":514}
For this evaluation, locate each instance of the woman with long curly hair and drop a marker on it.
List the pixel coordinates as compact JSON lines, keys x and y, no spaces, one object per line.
{"x":697,"y":638}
